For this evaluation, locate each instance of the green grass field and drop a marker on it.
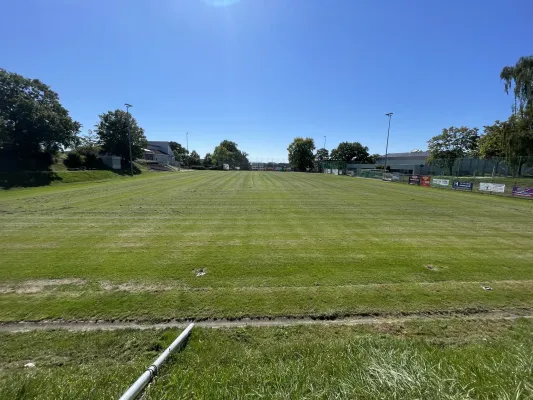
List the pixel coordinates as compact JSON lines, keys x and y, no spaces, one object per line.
{"x":415,"y":360}
{"x":272,"y":245}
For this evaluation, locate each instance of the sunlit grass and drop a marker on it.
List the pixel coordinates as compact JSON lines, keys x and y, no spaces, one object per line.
{"x":271,"y":244}
{"x":417,"y":360}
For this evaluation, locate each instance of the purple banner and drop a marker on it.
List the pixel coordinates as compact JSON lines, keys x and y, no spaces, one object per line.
{"x":522,"y":191}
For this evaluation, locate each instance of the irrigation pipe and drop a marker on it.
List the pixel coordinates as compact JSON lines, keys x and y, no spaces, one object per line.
{"x":152,"y":370}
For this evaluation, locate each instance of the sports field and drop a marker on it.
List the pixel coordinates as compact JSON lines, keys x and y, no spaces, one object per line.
{"x":270,"y":245}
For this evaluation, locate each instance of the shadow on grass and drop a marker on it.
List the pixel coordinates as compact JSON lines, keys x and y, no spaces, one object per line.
{"x":125,"y":170}
{"x":20,"y":179}
{"x":10,"y":180}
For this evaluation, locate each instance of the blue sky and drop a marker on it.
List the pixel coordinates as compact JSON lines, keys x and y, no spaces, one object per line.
{"x":260,"y":72}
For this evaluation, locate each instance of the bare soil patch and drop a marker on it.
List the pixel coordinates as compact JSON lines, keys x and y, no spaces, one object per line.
{"x":384,"y":321}
{"x":38,"y":285}
{"x":134,"y":287}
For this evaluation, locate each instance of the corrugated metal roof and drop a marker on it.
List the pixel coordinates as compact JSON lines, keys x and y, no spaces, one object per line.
{"x":409,"y":154}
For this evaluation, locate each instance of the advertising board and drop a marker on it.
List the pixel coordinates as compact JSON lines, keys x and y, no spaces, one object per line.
{"x":414,"y":180}
{"x":440,"y":182}
{"x":523,"y":191}
{"x":492,"y":187}
{"x":458,"y":185}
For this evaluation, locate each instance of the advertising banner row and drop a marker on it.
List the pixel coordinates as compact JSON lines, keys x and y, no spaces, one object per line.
{"x":425,"y":180}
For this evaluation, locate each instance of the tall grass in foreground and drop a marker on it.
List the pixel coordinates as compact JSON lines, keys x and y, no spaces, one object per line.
{"x":419,"y":360}
{"x":343,"y":363}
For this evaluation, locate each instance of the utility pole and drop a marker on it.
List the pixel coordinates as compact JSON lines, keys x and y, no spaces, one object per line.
{"x":129,"y":134}
{"x":324,"y":141}
{"x":387,"y":148}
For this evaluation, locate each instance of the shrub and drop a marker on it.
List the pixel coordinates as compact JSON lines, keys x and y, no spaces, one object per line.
{"x":200,"y":167}
{"x":73,"y":160}
{"x":92,"y":161}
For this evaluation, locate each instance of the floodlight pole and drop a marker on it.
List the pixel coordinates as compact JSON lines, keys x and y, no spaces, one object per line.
{"x":324,"y":141}
{"x":387,"y":148}
{"x":187,"y":138}
{"x":129,"y":134}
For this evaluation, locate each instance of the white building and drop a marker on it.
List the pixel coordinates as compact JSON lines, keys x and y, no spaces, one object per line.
{"x":159,"y":152}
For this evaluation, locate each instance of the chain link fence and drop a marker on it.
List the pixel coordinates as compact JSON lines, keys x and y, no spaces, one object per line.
{"x":496,"y":176}
{"x":514,"y":167}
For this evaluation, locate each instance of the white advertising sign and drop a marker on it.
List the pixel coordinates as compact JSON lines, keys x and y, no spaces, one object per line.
{"x":485,"y":187}
{"x":441,"y":182}
{"x":492,"y":187}
{"x":498,"y":187}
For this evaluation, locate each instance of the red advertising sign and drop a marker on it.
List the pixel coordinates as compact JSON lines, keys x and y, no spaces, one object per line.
{"x":425,"y":180}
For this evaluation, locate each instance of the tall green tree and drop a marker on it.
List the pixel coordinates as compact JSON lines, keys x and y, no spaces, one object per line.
{"x":451,"y":144}
{"x":519,"y":77}
{"x":518,"y":130}
{"x":351,"y":151}
{"x":321,"y":156}
{"x":227,"y":152}
{"x":221,"y":155}
{"x":492,"y":144}
{"x":112,"y":131}
{"x":33,"y":123}
{"x":518,"y":139}
{"x":88,"y":144}
{"x":208,"y":160}
{"x":89,"y":149}
{"x":194,"y":158}
{"x":510,"y":140}
{"x":301,"y":155}
{"x":176,"y":147}
{"x":232,"y":147}
{"x":181,"y":154}
{"x":374,"y":158}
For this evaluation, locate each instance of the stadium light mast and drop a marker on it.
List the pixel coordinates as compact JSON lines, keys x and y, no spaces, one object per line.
{"x":187,"y":138}
{"x":387,"y":148}
{"x":324,"y":141}
{"x":129,"y":134}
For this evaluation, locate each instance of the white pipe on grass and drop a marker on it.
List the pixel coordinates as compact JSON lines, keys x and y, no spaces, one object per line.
{"x":152,"y":370}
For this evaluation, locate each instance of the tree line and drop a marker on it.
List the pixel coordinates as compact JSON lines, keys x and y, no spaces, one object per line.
{"x":35,"y":127}
{"x":302,"y":156}
{"x":510,"y":140}
{"x":227,"y":152}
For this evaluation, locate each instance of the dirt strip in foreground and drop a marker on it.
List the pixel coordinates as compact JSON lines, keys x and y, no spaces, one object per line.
{"x":26,"y":326}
